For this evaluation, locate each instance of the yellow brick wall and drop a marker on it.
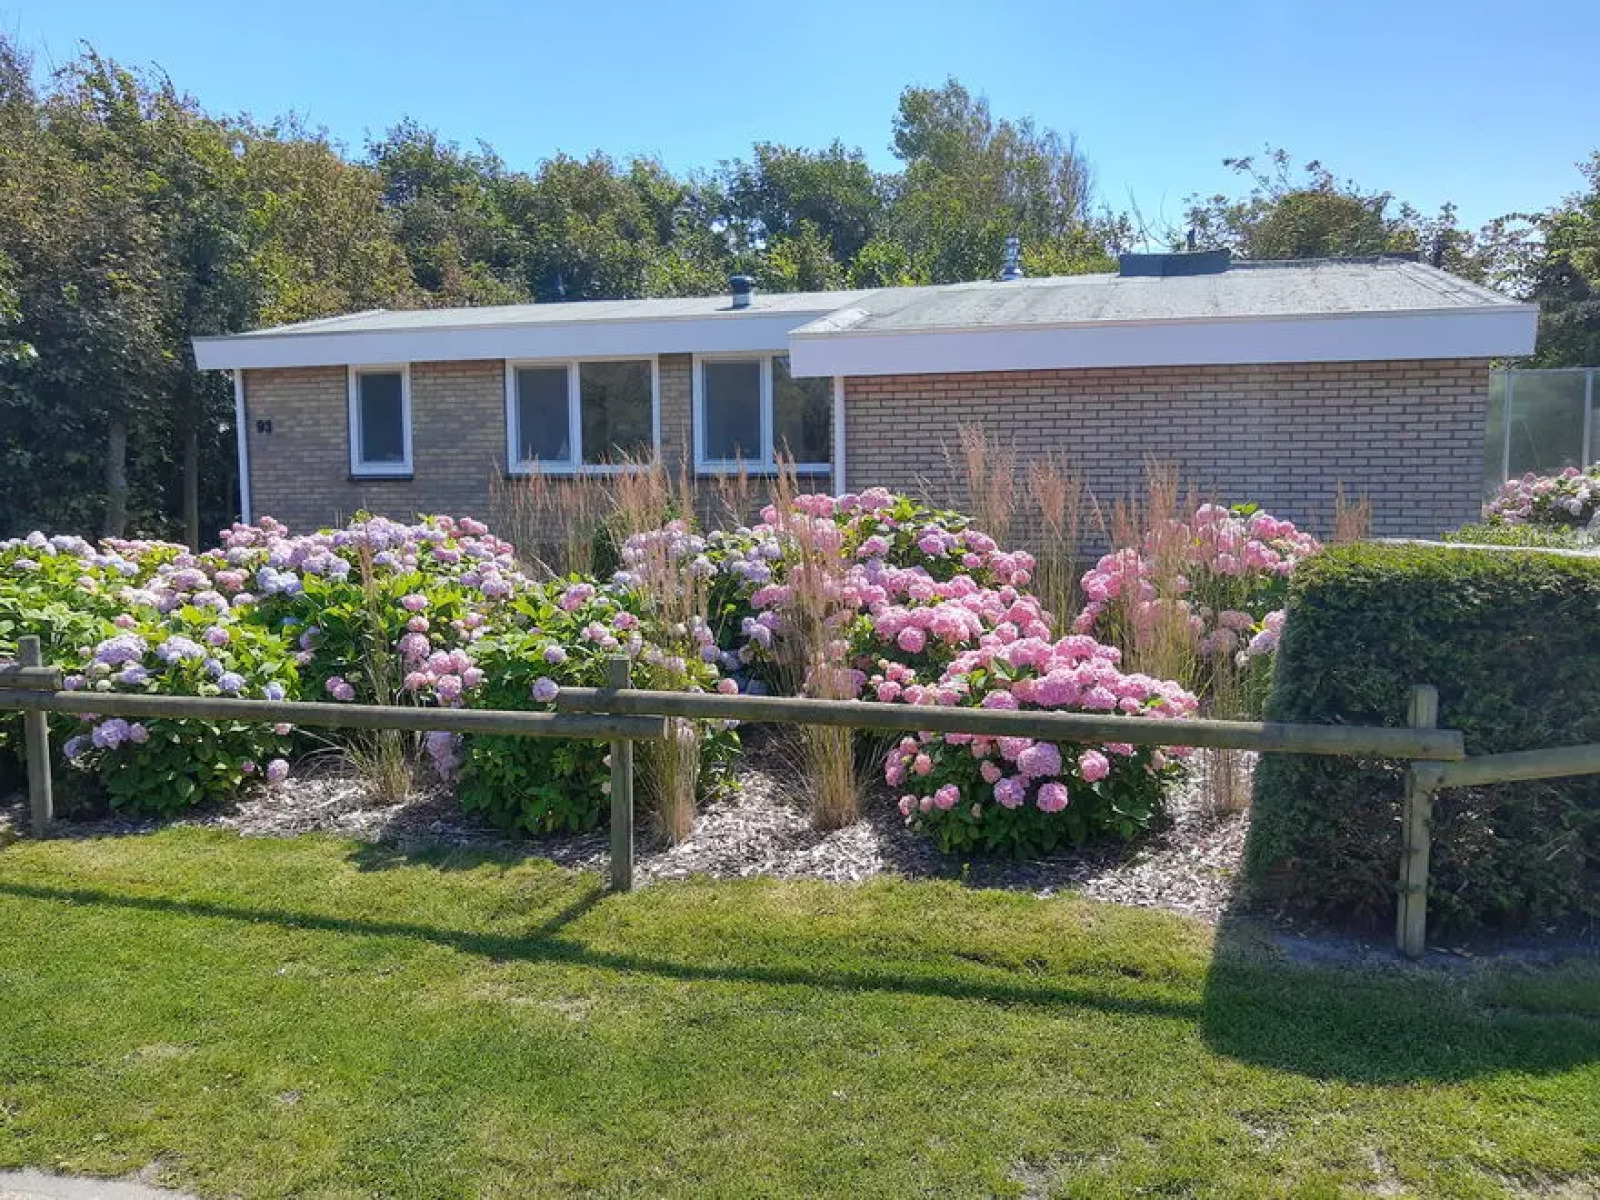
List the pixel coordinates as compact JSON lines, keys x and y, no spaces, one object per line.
{"x":300,"y":472}
{"x":1409,"y":435}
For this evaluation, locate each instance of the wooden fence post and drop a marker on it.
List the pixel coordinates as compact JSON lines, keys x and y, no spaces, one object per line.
{"x":36,"y":729}
{"x":1416,"y":831}
{"x":621,"y":790}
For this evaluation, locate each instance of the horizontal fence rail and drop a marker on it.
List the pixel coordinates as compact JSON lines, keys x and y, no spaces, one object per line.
{"x":1520,"y":765}
{"x":36,"y":690}
{"x":1439,"y":745}
{"x":1437,"y":757}
{"x":340,"y":716}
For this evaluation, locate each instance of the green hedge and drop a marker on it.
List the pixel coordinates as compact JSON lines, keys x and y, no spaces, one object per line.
{"x":1512,"y":641}
{"x":1554,"y":537}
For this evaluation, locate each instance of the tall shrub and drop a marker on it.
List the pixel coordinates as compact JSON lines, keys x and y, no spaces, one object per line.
{"x":1512,"y":642}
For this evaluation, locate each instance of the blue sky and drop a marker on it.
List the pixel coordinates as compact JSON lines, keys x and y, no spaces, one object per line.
{"x":1471,"y":101}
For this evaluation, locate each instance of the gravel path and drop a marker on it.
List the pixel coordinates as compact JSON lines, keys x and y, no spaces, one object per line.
{"x":39,"y":1185}
{"x":1188,"y":866}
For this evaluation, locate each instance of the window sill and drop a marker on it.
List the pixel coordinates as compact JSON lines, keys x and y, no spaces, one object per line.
{"x":381,"y":476}
{"x":596,"y":471}
{"x":712,"y":471}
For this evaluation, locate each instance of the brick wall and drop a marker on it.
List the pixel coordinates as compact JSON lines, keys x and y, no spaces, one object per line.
{"x":1409,"y":435}
{"x":300,"y":472}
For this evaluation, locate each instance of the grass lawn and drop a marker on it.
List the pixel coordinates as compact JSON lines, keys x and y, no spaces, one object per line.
{"x":320,"y":1017}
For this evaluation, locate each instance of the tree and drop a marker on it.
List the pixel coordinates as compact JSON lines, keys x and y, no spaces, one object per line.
{"x":1563,"y":274}
{"x":785,"y":194}
{"x":447,"y":217}
{"x":970,"y":181}
{"x":318,"y":238}
{"x":79,"y":217}
{"x":1314,"y":216}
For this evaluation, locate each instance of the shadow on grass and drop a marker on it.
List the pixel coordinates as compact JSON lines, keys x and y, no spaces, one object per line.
{"x":1363,"y":1017}
{"x":392,"y":855}
{"x":540,"y":945}
{"x":1355,"y":1022}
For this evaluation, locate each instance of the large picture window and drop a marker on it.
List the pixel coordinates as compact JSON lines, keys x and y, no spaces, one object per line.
{"x":570,"y":416}
{"x":380,"y":421}
{"x":749,"y":410}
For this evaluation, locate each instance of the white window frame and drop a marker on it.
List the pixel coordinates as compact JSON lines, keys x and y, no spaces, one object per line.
{"x":767,"y":463}
{"x":575,"y":465}
{"x":370,"y":469}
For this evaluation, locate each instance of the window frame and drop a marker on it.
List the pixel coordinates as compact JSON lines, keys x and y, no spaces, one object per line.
{"x":768,"y":462}
{"x":573,"y":366}
{"x":360,"y":469}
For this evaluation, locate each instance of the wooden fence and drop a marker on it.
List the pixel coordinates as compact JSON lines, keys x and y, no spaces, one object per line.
{"x":1436,"y":757}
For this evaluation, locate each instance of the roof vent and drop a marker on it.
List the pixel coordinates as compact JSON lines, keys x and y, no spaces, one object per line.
{"x":742,"y":287}
{"x":1198,"y":262}
{"x":1011,"y":265}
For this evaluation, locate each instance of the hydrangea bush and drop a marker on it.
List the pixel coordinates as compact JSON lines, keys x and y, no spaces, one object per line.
{"x":935,"y":613}
{"x":561,"y":635}
{"x":922,"y":609}
{"x":378,"y":611}
{"x":1570,"y":499}
{"x":1215,"y":584}
{"x":1025,"y":796}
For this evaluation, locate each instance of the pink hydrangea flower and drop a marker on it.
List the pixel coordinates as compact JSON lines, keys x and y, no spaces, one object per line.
{"x":1093,"y":766}
{"x":1052,"y":798}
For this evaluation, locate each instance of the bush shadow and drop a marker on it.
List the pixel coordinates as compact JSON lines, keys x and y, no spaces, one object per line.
{"x":1339,"y":1008}
{"x":551,"y":941}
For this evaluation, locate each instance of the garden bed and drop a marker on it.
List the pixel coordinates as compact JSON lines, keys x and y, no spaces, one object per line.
{"x":760,"y":828}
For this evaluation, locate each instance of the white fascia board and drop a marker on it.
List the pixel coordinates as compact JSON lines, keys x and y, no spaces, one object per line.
{"x":761,"y":333}
{"x":1498,"y":331}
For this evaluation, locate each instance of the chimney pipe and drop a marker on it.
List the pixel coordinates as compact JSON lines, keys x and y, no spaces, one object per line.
{"x":1011,"y":267}
{"x":742,"y":287}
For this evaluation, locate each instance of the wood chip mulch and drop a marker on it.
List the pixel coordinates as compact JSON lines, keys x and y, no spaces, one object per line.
{"x":761,"y":828}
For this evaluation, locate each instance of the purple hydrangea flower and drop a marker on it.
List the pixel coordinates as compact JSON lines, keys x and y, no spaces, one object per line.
{"x":124,"y":648}
{"x":179,"y":649}
{"x":110,"y":733}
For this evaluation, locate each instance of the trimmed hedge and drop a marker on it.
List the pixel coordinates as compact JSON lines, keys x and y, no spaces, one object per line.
{"x":1550,"y":537}
{"x":1512,"y":642}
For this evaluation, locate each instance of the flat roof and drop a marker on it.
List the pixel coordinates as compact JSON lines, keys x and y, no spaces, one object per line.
{"x":1372,"y":308}
{"x":1246,"y":290}
{"x":677,"y":308}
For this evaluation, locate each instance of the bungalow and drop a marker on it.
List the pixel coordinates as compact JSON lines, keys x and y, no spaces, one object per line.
{"x":1270,"y":381}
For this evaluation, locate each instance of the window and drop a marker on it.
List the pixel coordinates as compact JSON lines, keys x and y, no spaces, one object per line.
{"x":380,"y":421}
{"x":571,"y":416}
{"x":750,"y":410}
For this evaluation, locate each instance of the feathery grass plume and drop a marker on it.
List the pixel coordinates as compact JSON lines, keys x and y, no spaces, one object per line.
{"x":653,"y":520}
{"x":982,"y":478}
{"x":1352,"y":519}
{"x":380,"y":757}
{"x":732,"y":498}
{"x":1158,"y":638}
{"x":1058,"y":490}
{"x":815,"y":650}
{"x":555,"y":522}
